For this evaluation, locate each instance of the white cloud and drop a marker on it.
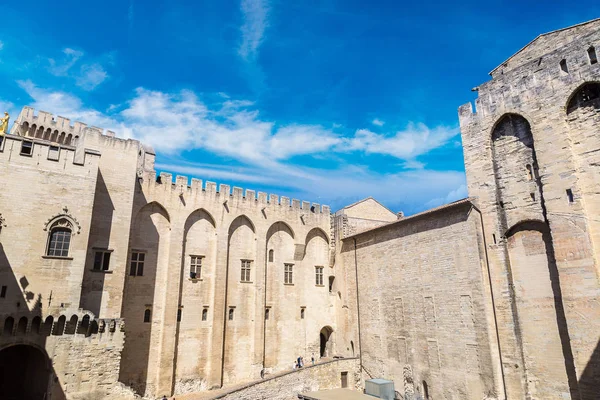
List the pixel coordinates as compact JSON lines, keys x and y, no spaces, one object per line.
{"x":62,"y":67}
{"x":413,"y":164}
{"x":411,"y":142}
{"x":91,"y":75}
{"x":255,"y":14}
{"x":88,"y":76}
{"x":377,"y":122}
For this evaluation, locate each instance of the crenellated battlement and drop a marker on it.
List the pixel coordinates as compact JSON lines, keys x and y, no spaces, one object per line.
{"x":182,"y":185}
{"x":55,"y":128}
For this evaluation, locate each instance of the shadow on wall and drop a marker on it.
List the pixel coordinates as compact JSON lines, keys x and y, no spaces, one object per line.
{"x":93,"y":277}
{"x":147,"y":247}
{"x":26,"y":371}
{"x":589,"y":382}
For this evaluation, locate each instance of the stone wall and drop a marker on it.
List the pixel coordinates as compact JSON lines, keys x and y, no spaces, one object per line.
{"x":531,"y":156}
{"x":424,"y":304}
{"x":310,"y":378}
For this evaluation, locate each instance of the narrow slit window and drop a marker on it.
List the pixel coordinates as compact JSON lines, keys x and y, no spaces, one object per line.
{"x":3,"y":292}
{"x":267,"y":313}
{"x":147,"y":315}
{"x":302,"y":313}
{"x":532,"y":195}
{"x":231,"y":310}
{"x":570,"y":195}
{"x":563,"y":66}
{"x":494,"y":237}
{"x":592,"y":55}
{"x":271,"y":254}
{"x":529,"y":169}
{"x":204,"y":314}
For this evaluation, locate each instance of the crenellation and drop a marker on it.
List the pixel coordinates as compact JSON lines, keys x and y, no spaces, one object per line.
{"x":273,"y":199}
{"x":181,"y":182}
{"x":250,"y":195}
{"x":224,"y":191}
{"x":238,"y":193}
{"x":210,"y":188}
{"x":284,"y":201}
{"x":305,"y":205}
{"x":196,"y":185}
{"x":262,"y":198}
{"x":296,"y":204}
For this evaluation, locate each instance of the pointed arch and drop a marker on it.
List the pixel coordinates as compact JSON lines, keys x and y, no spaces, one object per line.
{"x":197,"y":215}
{"x":316,"y":232}
{"x":535,"y":224}
{"x":155,"y":207}
{"x":239,"y":221}
{"x":586,"y":94}
{"x":515,"y":125}
{"x":280,"y":226}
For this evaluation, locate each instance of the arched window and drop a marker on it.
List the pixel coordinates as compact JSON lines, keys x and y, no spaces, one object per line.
{"x":71,"y":325}
{"x":22,"y":326}
{"x":271,"y":253}
{"x":231,"y":314}
{"x":592,"y":55}
{"x":59,"y":327}
{"x":47,"y":328}
{"x":36,"y":323}
{"x":9,"y":324}
{"x":84,"y":325}
{"x":204,"y":314}
{"x":147,"y":315}
{"x":60,"y":239}
{"x":585,"y":96}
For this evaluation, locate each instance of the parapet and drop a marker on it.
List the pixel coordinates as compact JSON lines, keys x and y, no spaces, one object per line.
{"x":55,"y":128}
{"x":181,"y":186}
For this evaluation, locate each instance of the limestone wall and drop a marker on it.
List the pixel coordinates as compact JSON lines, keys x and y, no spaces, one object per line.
{"x":541,"y":225}
{"x":424,"y":304}
{"x":311,"y":378}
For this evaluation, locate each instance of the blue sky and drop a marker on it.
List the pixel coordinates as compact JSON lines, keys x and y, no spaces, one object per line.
{"x":326,"y":101}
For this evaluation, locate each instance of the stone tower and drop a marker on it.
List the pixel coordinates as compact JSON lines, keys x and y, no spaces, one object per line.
{"x":531,"y":156}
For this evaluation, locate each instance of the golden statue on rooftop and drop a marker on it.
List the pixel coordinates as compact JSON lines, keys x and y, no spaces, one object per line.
{"x":4,"y":123}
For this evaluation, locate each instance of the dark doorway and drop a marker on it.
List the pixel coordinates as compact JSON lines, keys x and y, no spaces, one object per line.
{"x":24,"y":373}
{"x":345,"y":379}
{"x":324,"y":337}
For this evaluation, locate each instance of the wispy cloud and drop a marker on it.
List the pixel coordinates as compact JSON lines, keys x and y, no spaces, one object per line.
{"x":255,"y":15}
{"x":86,"y":75}
{"x":415,"y":140}
{"x":377,"y":122}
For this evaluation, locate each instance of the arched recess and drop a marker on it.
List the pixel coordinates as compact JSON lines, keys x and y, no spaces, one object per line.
{"x":59,"y":327}
{"x":587,"y":95}
{"x":24,"y":372}
{"x":539,"y":303}
{"x":36,"y":325}
{"x":240,"y":292}
{"x":518,"y":187}
{"x":22,"y":326}
{"x":199,"y":251}
{"x":316,"y":252}
{"x":148,"y":257}
{"x":25,"y":129}
{"x":40,"y":132}
{"x":282,"y":298}
{"x":326,"y":342}
{"x":9,"y":326}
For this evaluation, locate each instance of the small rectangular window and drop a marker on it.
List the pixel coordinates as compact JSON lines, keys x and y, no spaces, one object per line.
{"x":53,"y":153}
{"x":3,"y":292}
{"x":288,"y":277}
{"x":267,"y":313}
{"x":136,"y":267}
{"x":246,"y":265}
{"x":147,"y":315}
{"x":319,"y":276}
{"x":102,"y":260}
{"x":302,"y":313}
{"x":231,"y":311}
{"x":592,"y":55}
{"x":26,"y":148}
{"x":204,"y":314}
{"x":196,"y":267}
{"x":570,"y":195}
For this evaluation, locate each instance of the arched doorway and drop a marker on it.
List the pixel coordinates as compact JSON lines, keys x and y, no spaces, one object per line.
{"x":24,"y":373}
{"x":324,"y":341}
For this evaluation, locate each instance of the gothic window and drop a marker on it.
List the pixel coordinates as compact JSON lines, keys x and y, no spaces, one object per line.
{"x":196,"y":267}
{"x":102,"y":260}
{"x":147,"y":315}
{"x":246,"y":265}
{"x":319,"y":276}
{"x":288,"y":274}
{"x":136,"y":268}
{"x":592,"y":55}
{"x":60,"y":239}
